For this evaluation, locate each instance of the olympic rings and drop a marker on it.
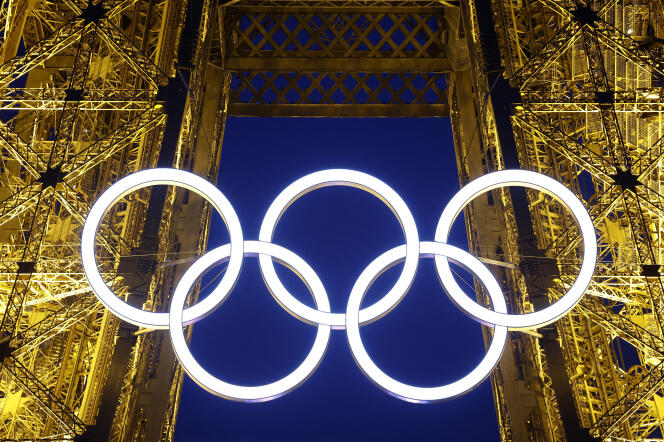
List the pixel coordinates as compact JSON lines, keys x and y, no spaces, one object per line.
{"x":321,"y":316}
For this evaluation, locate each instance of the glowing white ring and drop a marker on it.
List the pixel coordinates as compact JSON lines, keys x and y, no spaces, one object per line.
{"x":359,"y":180}
{"x":321,"y":316}
{"x":235,"y":392}
{"x":544,"y":184}
{"x":153,"y":177}
{"x":392,"y":386}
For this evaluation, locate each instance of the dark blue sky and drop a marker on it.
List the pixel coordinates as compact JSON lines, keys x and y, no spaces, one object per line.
{"x":250,"y":340}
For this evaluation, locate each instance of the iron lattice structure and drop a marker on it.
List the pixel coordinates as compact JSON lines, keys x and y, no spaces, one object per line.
{"x":94,"y":90}
{"x":587,"y":82}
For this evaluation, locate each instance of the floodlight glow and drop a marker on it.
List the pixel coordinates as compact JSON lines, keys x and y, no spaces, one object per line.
{"x":153,"y":177}
{"x":544,"y":184}
{"x":392,"y":386}
{"x":236,"y":392}
{"x":359,"y":180}
{"x":321,"y":316}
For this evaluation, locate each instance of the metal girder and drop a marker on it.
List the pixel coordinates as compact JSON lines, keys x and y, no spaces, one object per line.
{"x":131,"y":54}
{"x":21,"y":201}
{"x":547,"y":55}
{"x":80,"y":111}
{"x":549,"y":129}
{"x":37,"y":99}
{"x":629,"y":403}
{"x":102,"y":150}
{"x":20,"y":150}
{"x":620,"y":326}
{"x":589,"y":113}
{"x":60,"y":320}
{"x":49,"y":403}
{"x":330,"y":61}
{"x":338,"y":94}
{"x":12,"y":18}
{"x":587,"y":99}
{"x":57,"y":42}
{"x":44,"y":203}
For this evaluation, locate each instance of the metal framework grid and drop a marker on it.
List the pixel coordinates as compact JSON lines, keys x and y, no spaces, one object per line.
{"x":92,"y":91}
{"x":95,"y":90}
{"x":587,"y":81}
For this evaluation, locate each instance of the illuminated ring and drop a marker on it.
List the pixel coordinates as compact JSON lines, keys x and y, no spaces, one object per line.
{"x":152,"y":177}
{"x":359,"y":180}
{"x":392,"y":386}
{"x":544,"y":184}
{"x":235,"y":392}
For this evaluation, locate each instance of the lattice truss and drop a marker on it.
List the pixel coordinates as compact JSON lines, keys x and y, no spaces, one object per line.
{"x":346,"y":59}
{"x":591,"y":78}
{"x":82,"y":86}
{"x":78,"y":110}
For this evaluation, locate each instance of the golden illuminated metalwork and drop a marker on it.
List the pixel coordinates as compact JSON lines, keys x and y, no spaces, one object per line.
{"x":586,"y":81}
{"x":93,"y":90}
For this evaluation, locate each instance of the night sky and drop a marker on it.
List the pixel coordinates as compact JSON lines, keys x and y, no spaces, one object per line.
{"x":250,"y":340}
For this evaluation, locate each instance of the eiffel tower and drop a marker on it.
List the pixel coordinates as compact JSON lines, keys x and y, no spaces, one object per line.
{"x":95,"y":90}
